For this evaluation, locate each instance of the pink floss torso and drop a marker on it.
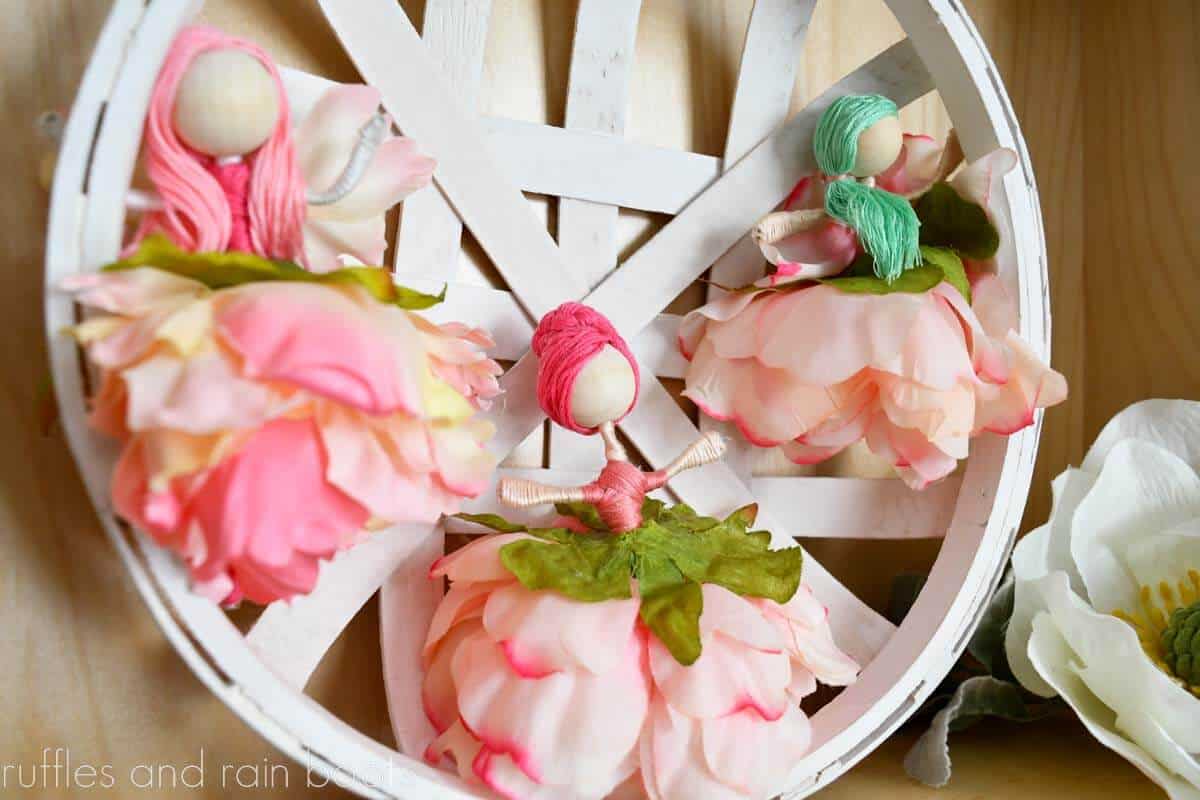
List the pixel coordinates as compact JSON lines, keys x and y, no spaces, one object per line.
{"x":233,"y":176}
{"x":618,"y":493}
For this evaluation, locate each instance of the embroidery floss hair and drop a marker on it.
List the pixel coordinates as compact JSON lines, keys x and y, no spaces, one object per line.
{"x":886,"y":224}
{"x":197,"y":213}
{"x":565,"y":341}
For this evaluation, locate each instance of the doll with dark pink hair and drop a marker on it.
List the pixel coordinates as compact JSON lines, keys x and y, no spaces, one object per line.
{"x":634,"y":647}
{"x":229,"y":173}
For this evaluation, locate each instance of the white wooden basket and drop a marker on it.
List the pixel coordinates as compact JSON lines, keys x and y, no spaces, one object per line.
{"x":430,"y":88}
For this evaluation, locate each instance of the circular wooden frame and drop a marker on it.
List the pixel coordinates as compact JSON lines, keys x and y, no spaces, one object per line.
{"x":96,"y":165}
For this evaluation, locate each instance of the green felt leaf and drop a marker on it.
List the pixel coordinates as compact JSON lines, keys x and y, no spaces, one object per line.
{"x":914,"y":281}
{"x":493,"y":521}
{"x":671,"y":607}
{"x":953,"y":271}
{"x":225,"y":270}
{"x":949,"y":220}
{"x":939,"y":264}
{"x":584,"y":568}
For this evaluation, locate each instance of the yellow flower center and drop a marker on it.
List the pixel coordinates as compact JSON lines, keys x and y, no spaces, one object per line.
{"x":1157,"y":621}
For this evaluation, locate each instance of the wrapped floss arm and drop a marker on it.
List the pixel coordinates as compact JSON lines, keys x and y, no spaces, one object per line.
{"x":371,"y":136}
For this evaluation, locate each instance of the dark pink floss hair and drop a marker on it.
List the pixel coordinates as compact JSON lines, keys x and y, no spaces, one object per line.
{"x":196,"y":213}
{"x":565,"y":340}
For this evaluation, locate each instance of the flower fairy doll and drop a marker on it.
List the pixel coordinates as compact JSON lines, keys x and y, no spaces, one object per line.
{"x":635,"y":647}
{"x":229,"y":173}
{"x":274,"y":396}
{"x":883,"y":319}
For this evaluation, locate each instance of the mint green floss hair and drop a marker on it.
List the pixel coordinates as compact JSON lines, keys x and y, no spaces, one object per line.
{"x":885,"y":223}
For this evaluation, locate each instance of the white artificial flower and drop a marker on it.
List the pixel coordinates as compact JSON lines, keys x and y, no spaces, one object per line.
{"x":1107,"y":610}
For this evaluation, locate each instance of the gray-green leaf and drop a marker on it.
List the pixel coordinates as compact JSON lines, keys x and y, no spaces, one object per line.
{"x":929,"y":759}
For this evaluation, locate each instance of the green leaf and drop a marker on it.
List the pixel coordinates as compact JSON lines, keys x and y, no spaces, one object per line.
{"x":938,"y":264}
{"x":584,"y":568}
{"x":493,"y":521}
{"x":929,"y":759}
{"x":683,"y":517}
{"x":951,"y":266}
{"x":722,"y":554}
{"x":584,"y":512}
{"x":744,"y":517}
{"x":755,"y":571}
{"x":987,"y":643}
{"x":949,"y":220}
{"x":671,"y":607}
{"x":225,"y":270}
{"x":914,"y":281}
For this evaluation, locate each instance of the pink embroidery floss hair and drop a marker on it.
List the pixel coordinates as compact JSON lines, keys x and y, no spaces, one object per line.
{"x":565,"y":340}
{"x":196,"y":212}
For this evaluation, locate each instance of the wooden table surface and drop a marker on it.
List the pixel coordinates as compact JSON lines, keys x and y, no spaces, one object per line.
{"x":1114,"y":92}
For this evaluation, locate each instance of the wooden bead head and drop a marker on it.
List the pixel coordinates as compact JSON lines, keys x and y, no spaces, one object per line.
{"x":227,"y":104}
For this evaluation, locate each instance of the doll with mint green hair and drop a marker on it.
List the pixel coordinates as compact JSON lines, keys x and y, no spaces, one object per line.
{"x":885,"y":320}
{"x":857,"y":138}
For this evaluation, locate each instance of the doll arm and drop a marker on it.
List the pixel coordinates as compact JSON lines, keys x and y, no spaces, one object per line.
{"x":141,"y":201}
{"x":370,"y":136}
{"x":782,"y":224}
{"x":523,"y":493}
{"x":705,"y":450}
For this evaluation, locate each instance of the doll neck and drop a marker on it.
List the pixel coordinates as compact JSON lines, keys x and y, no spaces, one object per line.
{"x":613,"y":449}
{"x":232,"y":174}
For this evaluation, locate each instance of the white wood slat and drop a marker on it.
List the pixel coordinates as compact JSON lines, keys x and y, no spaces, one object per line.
{"x":597,"y":100}
{"x":497,"y":312}
{"x":406,"y":605}
{"x":455,"y":33}
{"x":598,"y":167}
{"x":772,"y":50}
{"x":94,"y":453}
{"x":810,"y":507}
{"x":579,"y":164}
{"x":292,"y":637}
{"x":381,"y":41}
{"x":116,"y":151}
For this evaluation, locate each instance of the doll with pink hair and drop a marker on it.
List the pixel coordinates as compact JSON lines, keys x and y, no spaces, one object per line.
{"x":229,"y":173}
{"x":246,"y":353}
{"x":634,"y":648}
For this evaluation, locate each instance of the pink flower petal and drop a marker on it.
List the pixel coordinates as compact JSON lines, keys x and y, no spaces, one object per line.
{"x":324,"y":342}
{"x":199,"y":395}
{"x":555,"y":633}
{"x":133,"y":292}
{"x":328,"y":241}
{"x":478,"y":561}
{"x":753,"y":756}
{"x":728,"y":677}
{"x":362,"y":466}
{"x":915,"y":168}
{"x":560,"y":730}
{"x":253,"y":525}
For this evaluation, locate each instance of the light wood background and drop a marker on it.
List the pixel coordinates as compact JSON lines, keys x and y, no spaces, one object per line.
{"x":1115,"y":92}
